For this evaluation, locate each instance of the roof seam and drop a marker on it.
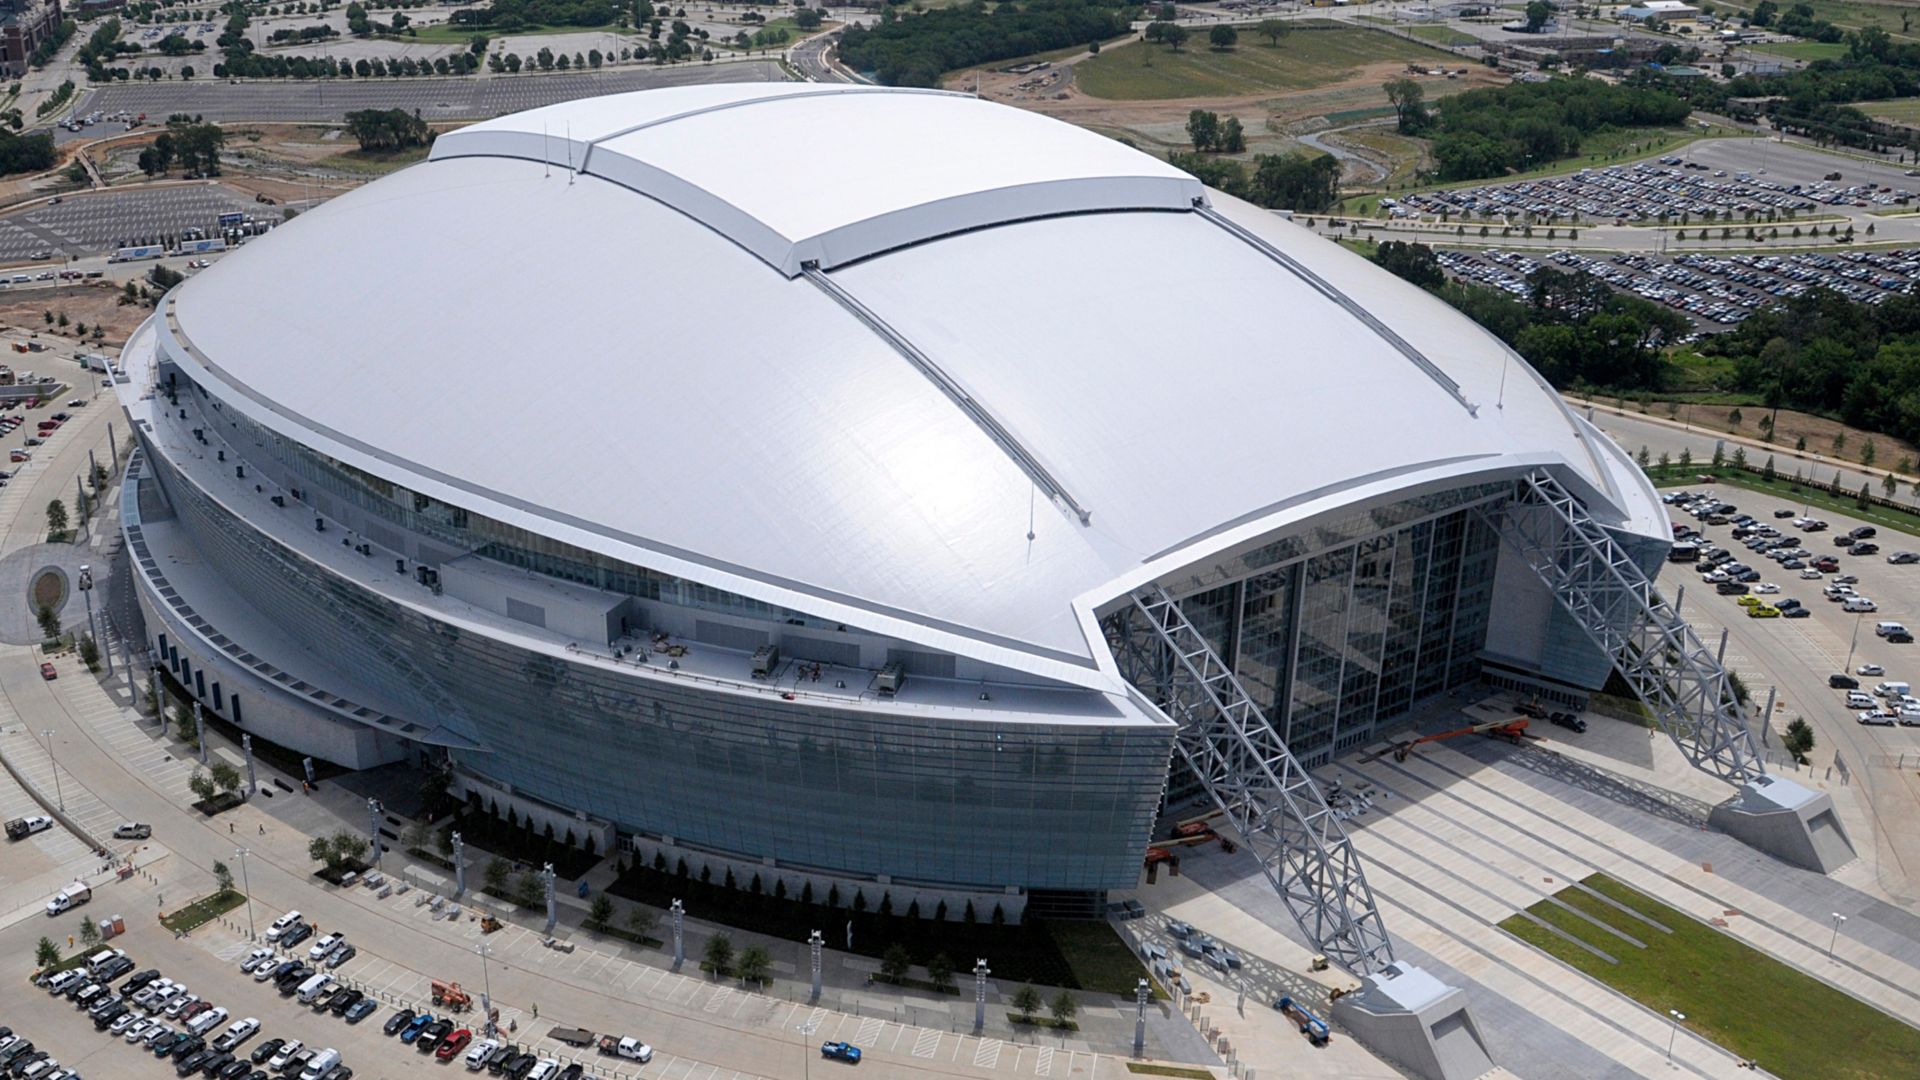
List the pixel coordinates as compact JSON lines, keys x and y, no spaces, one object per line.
{"x":763,"y":99}
{"x":958,"y":394}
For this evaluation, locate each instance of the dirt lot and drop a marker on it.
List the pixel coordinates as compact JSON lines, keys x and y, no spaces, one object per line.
{"x":1269,"y":118}
{"x":92,"y":305}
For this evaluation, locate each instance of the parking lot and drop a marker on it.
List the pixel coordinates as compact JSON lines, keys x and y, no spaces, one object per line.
{"x":434,"y":99}
{"x":1668,"y":189}
{"x":1842,"y":633}
{"x":1716,"y":291}
{"x":93,"y":224}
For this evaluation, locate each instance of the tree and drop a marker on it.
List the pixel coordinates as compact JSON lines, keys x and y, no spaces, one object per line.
{"x":1026,"y":1001}
{"x":600,"y":912}
{"x":718,"y":956}
{"x":895,"y":962}
{"x":202,"y":786}
{"x":1888,"y":485}
{"x":1203,"y":129}
{"x":49,"y":621}
{"x":90,"y":653}
{"x":222,"y":878}
{"x":1867,"y":452}
{"x":1223,"y":37}
{"x":1273,"y":30}
{"x":495,"y":874}
{"x":185,"y":723}
{"x":225,"y":777}
{"x":1734,"y":418}
{"x":1062,"y":1007}
{"x":46,"y":953}
{"x":528,"y":890}
{"x":1409,"y":102}
{"x":642,"y":920}
{"x":1173,"y":36}
{"x":1233,"y":137}
{"x":56,"y":517}
{"x":89,"y":933}
{"x":755,"y":963}
{"x":1798,"y":740}
{"x":940,"y":971}
{"x":1538,"y":12}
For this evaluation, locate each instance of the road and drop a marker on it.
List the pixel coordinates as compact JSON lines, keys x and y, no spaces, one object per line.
{"x":434,"y":99}
{"x":1633,"y":431}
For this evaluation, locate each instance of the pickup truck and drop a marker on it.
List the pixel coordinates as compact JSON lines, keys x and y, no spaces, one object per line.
{"x":623,"y":1046}
{"x":21,"y":828}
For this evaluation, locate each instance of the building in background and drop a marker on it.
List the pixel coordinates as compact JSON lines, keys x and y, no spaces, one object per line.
{"x":24,"y":24}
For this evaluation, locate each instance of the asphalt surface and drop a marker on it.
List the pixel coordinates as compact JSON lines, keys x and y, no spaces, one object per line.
{"x":433,"y":99}
{"x":92,"y":224}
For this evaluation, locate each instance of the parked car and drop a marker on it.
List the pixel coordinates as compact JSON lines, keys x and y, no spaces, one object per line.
{"x":841,"y":1051}
{"x":397,"y":1021}
{"x":133,"y":830}
{"x":361,"y":1009}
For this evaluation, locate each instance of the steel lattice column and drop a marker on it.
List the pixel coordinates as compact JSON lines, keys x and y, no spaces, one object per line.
{"x":1616,"y":604}
{"x":1275,"y":808}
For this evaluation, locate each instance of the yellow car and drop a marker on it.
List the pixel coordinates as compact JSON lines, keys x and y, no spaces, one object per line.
{"x":1764,"y":611}
{"x":1749,"y":601}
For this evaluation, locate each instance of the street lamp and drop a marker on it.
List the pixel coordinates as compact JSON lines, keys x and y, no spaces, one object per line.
{"x":1677,"y":1017}
{"x":486,"y":989}
{"x":1837,"y":920}
{"x":814,"y":943}
{"x":241,"y":854}
{"x":1847,"y":668}
{"x":62,"y":799}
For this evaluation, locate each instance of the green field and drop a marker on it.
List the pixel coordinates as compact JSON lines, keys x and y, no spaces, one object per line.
{"x":1899,"y":110}
{"x":1854,"y":14}
{"x":444,"y":34}
{"x":203,"y":910}
{"x":1803,"y":50}
{"x":1303,"y":59}
{"x":1790,"y":1023}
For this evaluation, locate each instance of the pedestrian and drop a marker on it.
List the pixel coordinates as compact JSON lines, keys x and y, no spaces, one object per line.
{"x":229,"y":828}
{"x":536,"y":1010}
{"x":263,"y":830}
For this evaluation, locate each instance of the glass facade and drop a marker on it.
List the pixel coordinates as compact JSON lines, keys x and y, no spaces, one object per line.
{"x":969,"y":802}
{"x":1350,"y":623}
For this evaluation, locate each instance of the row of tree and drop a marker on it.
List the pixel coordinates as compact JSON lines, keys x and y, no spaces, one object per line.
{"x":388,"y":129}
{"x":1821,"y":352}
{"x":514,"y":14}
{"x":1210,"y":133}
{"x":1485,"y":132}
{"x":1572,"y":328}
{"x":1301,"y":182}
{"x":913,"y":50}
{"x":194,"y":146}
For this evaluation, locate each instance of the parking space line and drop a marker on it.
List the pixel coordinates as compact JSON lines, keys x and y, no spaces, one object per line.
{"x":1043,"y":1062}
{"x":987,"y":1054}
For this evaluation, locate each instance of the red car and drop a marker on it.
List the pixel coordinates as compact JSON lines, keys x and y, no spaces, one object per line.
{"x":451,"y":1046}
{"x":47,"y":672}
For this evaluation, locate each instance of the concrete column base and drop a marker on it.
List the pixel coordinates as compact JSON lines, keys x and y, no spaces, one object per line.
{"x":1787,"y":820}
{"x":1418,"y":1022}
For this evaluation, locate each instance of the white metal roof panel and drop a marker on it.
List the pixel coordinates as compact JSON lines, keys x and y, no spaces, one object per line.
{"x":875,"y":168}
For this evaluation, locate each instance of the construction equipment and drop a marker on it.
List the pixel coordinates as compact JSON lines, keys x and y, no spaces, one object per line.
{"x":1199,"y":832}
{"x":449,"y":996}
{"x":1513,"y":729}
{"x":488,"y":924}
{"x":1158,"y":855}
{"x":1314,"y":1028}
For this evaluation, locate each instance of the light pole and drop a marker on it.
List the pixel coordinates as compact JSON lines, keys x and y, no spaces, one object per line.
{"x":679,"y":911}
{"x":373,"y":827}
{"x":1851,"y":645}
{"x":459,"y":866}
{"x":55,"y":765}
{"x":814,"y":943}
{"x":1677,"y":1017}
{"x":86,"y":590}
{"x":1140,"y":995}
{"x":486,"y":989}
{"x":1837,"y":920}
{"x":241,"y":854}
{"x":980,"y":973}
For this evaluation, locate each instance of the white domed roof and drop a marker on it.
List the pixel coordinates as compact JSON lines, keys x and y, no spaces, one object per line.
{"x":930,"y":365}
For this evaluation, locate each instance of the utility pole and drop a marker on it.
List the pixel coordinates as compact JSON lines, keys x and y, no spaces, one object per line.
{"x":241,"y":854}
{"x":55,"y":766}
{"x":373,"y":827}
{"x":459,"y":866}
{"x":246,"y":747}
{"x":546,"y":876}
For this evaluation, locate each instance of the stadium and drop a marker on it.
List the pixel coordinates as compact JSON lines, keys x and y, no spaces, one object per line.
{"x":856,"y":485}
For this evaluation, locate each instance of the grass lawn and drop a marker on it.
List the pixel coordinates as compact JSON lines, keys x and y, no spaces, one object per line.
{"x":444,"y":34}
{"x":1803,"y":50}
{"x":1784,"y":489}
{"x":1611,"y":146}
{"x":1404,"y":155}
{"x":1855,"y":14}
{"x":1098,"y":957}
{"x":1303,"y":59}
{"x":203,"y":910}
{"x":1731,"y":993}
{"x":794,"y":33}
{"x":1168,"y":1070}
{"x":374,"y":162}
{"x":1900,"y":110}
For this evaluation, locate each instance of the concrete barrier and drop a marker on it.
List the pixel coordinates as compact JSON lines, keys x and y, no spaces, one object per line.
{"x":52,"y":808}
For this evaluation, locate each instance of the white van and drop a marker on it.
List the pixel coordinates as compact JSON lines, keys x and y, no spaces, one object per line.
{"x":322,"y":1061}
{"x":1893,"y":689}
{"x":69,"y":898}
{"x":312,"y":987}
{"x":103,"y":958}
{"x":1882,"y":629}
{"x":281,"y":925}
